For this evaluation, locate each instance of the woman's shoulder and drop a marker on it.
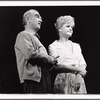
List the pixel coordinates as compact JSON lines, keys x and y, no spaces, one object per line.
{"x":76,"y":46}
{"x":54,"y":43}
{"x":74,"y":43}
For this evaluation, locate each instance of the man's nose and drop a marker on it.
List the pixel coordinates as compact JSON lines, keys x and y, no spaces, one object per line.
{"x":40,"y":20}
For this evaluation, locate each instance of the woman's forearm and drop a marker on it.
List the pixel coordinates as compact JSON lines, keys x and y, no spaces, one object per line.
{"x":83,"y":66}
{"x":67,"y":68}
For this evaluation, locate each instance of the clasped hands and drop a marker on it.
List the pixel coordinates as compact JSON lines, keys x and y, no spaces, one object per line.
{"x":54,"y":62}
{"x":82,"y":71}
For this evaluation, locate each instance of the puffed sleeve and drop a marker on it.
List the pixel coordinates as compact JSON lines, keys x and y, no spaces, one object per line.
{"x":82,"y":60}
{"x":52,"y":50}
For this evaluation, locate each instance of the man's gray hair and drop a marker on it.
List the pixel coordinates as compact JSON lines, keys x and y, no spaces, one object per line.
{"x":26,"y":16}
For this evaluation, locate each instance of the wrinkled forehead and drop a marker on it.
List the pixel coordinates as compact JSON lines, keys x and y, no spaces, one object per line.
{"x":35,"y":13}
{"x":31,"y":13}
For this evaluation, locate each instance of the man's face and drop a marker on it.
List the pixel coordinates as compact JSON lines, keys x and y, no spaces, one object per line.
{"x":35,"y":20}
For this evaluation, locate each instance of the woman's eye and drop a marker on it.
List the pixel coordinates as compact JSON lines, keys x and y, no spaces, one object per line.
{"x":68,"y":26}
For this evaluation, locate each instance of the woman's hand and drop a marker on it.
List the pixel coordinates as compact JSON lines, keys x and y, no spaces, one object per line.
{"x":82,"y":71}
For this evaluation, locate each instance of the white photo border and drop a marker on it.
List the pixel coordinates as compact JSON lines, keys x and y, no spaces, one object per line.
{"x":49,"y":3}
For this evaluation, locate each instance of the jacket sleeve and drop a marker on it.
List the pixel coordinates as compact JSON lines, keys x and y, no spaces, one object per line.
{"x":25,"y":45}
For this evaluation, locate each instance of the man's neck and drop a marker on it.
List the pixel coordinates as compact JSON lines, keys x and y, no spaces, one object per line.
{"x":30,"y":30}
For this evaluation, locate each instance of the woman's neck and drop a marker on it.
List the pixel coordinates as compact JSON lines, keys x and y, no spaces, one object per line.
{"x":63,"y":39}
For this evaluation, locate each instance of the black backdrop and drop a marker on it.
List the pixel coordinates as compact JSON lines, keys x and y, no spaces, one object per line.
{"x":86,"y":32}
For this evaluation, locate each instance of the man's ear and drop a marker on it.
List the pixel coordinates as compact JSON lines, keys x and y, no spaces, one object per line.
{"x":28,"y":19}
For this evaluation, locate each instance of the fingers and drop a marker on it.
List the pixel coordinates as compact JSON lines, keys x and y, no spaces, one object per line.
{"x":83,"y":73}
{"x":55,"y":62}
{"x":56,"y":57}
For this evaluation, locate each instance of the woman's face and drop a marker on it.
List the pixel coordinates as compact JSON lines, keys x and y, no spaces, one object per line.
{"x":67,"y":30}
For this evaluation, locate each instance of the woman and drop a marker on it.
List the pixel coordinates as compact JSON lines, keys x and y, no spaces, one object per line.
{"x":71,"y":65}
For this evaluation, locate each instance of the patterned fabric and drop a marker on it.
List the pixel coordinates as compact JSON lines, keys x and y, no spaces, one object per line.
{"x":68,"y":83}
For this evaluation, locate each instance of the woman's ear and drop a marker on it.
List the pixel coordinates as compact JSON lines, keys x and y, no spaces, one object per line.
{"x":59,"y":30}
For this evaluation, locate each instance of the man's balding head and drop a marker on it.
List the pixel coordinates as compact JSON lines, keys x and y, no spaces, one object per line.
{"x":32,"y":20}
{"x":28,"y":14}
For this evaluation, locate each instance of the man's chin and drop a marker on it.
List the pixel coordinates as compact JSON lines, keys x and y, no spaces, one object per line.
{"x":69,"y":36}
{"x":38,"y":28}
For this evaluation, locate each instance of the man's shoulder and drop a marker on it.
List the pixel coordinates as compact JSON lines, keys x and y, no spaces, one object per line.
{"x":22,"y":33}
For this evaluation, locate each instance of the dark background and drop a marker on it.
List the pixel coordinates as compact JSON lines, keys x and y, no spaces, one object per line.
{"x":86,"y":32}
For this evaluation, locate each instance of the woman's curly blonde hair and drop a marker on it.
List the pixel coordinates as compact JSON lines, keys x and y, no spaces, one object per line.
{"x":67,"y":19}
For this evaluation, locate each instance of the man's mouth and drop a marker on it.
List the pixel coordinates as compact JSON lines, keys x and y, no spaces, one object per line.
{"x":39,"y":24}
{"x":70,"y":31}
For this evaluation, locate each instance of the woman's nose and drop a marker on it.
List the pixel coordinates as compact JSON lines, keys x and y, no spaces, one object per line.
{"x":70,"y":28}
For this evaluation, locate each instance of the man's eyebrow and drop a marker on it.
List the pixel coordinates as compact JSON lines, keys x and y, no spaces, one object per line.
{"x":37,"y":15}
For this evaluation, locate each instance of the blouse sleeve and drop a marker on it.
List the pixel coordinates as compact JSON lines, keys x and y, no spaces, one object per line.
{"x":52,"y":51}
{"x":82,"y":60}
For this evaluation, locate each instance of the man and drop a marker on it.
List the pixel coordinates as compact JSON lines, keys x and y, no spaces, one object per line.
{"x":33,"y":62}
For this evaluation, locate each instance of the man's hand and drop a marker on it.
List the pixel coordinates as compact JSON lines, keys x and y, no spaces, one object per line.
{"x":53,"y":62}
